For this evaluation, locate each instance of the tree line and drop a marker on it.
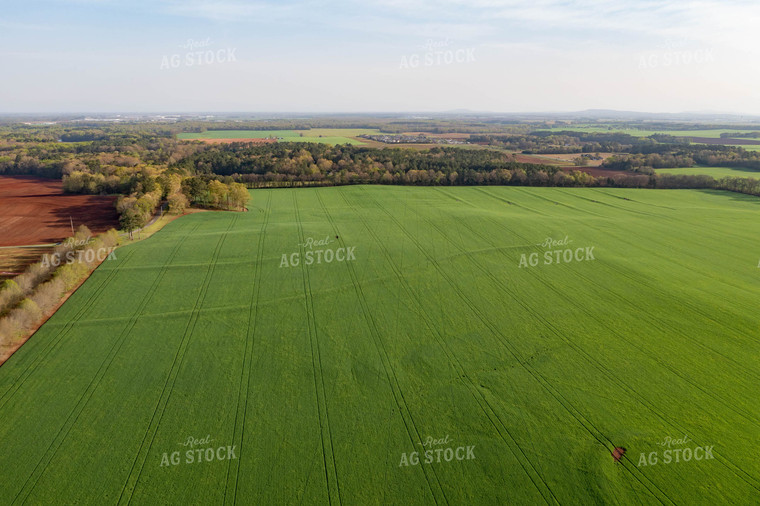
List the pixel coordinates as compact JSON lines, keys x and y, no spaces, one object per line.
{"x":263,"y":164}
{"x":32,"y":295}
{"x":178,"y":192}
{"x":690,"y":155}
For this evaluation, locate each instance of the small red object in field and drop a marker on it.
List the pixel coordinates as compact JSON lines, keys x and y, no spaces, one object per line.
{"x":618,"y":453}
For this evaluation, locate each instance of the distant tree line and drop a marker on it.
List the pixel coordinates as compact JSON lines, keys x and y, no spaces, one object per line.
{"x":688,"y":155}
{"x":305,"y":164}
{"x":740,"y":135}
{"x":570,"y":141}
{"x":146,"y":165}
{"x":283,"y":164}
{"x":42,"y":156}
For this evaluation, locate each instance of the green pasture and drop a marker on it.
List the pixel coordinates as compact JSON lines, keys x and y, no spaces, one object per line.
{"x":716,"y":172}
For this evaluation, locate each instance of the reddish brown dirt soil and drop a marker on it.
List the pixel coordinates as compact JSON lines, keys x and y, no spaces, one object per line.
{"x":13,"y":260}
{"x":228,"y":141}
{"x":36,"y":211}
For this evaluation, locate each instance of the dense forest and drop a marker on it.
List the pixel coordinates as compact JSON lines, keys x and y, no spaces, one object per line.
{"x":319,"y":163}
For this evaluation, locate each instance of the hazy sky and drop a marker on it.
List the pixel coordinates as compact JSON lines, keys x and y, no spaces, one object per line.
{"x":379,"y":55}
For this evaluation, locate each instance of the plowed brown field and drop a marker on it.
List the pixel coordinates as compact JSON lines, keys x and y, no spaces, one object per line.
{"x":36,"y":211}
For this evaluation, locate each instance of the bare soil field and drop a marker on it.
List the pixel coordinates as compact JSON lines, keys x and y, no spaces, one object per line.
{"x":36,"y":211}
{"x":14,"y":260}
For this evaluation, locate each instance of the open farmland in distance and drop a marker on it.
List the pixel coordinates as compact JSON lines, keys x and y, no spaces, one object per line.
{"x":321,"y":135}
{"x":436,"y":331}
{"x":715,"y":172}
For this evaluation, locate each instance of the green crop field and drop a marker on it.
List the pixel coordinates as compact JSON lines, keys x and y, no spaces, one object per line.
{"x":437,"y":357}
{"x":323,"y":135}
{"x":716,"y":172}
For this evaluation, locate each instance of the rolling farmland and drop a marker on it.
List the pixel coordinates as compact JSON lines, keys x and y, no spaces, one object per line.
{"x":716,"y":172}
{"x":321,"y":135}
{"x":441,"y":321}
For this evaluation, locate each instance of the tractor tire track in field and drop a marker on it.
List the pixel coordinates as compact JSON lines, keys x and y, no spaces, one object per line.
{"x":233,"y":468}
{"x":328,"y":452}
{"x":511,"y":203}
{"x":150,"y":434}
{"x":536,"y":195}
{"x":705,"y":315}
{"x":592,"y":361}
{"x":52,"y":342}
{"x":636,"y":279}
{"x":596,"y":433}
{"x":485,"y":406}
{"x":655,"y":357}
{"x":704,"y":229}
{"x":84,"y":399}
{"x":600,"y":367}
{"x":494,"y":330}
{"x":661,"y":217}
{"x":393,"y":383}
{"x":543,"y":382}
{"x":737,"y":470}
{"x":620,"y":208}
{"x":461,"y":240}
{"x":641,"y":281}
{"x":597,"y":190}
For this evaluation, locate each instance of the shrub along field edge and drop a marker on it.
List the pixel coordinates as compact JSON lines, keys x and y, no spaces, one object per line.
{"x":29,"y":299}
